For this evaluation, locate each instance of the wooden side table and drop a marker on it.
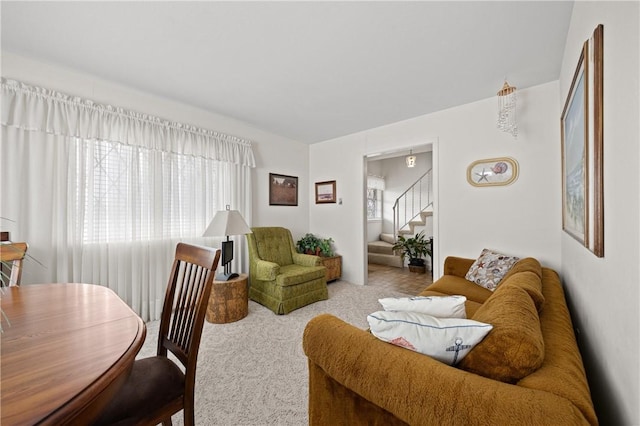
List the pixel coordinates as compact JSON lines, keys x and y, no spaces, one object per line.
{"x":334,"y":267}
{"x":229,"y":300}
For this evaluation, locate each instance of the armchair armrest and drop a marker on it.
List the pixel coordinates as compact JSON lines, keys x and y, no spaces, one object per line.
{"x":416,"y":388}
{"x":306,"y":259}
{"x":266,"y":271}
{"x":457,"y":266}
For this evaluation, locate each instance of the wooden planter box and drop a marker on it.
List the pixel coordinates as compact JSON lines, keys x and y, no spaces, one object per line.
{"x":417,"y":269}
{"x":334,"y":267}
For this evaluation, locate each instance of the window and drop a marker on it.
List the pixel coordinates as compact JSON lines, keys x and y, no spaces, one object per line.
{"x":375,"y":186}
{"x":374,"y":204}
{"x":129,"y":193}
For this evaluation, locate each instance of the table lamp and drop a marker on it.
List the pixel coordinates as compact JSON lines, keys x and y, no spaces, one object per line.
{"x":227,"y":222}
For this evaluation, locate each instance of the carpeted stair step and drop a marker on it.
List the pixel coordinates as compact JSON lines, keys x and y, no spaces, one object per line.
{"x":380,"y":247}
{"x":385,"y":259}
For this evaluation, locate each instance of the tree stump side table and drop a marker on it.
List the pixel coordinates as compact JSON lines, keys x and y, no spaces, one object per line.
{"x":229,"y":300}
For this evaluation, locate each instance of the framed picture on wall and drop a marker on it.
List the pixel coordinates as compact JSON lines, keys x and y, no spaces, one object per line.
{"x":283,"y":190}
{"x":492,"y":172}
{"x":582,"y":149}
{"x":574,"y":152}
{"x":326,"y":192}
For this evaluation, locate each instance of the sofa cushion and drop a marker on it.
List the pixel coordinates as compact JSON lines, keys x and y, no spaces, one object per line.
{"x":470,"y":306}
{"x":452,"y":285}
{"x":296,"y":274}
{"x":515,"y":347}
{"x":527,"y":264}
{"x":489,"y":268}
{"x":437,"y":306}
{"x":529,"y":282}
{"x":446,"y":339}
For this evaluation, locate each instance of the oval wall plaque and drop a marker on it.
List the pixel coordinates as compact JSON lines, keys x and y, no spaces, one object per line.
{"x":493,"y":172}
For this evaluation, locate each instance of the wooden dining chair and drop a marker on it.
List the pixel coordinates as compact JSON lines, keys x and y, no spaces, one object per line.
{"x":157,"y":388}
{"x":11,"y":256}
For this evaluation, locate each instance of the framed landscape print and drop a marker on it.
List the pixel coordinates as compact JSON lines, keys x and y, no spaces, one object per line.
{"x":326,"y":192}
{"x":582,"y":148}
{"x":283,"y":190}
{"x":574,"y":151}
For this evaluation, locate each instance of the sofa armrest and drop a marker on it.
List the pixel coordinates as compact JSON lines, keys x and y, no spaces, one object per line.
{"x":418,"y":389}
{"x":457,"y":266}
{"x":306,"y":259}
{"x":265,"y":270}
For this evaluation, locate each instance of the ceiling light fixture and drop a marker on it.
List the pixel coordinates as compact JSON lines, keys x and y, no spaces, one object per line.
{"x":411,"y":159}
{"x":507,"y":109}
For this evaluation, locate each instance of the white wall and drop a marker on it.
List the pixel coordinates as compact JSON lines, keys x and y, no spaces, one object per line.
{"x":522,"y":219}
{"x":342,"y":160}
{"x":603,"y":293}
{"x":273,"y":153}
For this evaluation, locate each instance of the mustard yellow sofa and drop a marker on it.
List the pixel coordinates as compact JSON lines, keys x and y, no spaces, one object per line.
{"x":527,"y":371}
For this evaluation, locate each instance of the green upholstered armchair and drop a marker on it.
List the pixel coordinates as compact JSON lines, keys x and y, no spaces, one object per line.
{"x":279,"y":277}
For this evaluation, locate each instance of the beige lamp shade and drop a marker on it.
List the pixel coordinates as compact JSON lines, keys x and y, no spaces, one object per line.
{"x":227,"y":222}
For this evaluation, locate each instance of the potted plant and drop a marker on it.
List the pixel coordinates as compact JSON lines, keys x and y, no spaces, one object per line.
{"x":415,"y":249}
{"x":325,"y":247}
{"x":310,"y":244}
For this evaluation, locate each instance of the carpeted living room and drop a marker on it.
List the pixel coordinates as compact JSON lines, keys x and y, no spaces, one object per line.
{"x":495,"y":142}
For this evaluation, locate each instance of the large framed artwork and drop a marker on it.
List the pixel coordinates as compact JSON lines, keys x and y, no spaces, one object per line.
{"x":283,"y":190}
{"x":582,"y":139}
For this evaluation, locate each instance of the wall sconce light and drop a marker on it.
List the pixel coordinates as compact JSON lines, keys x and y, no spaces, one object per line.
{"x":410,"y":159}
{"x":507,"y":109}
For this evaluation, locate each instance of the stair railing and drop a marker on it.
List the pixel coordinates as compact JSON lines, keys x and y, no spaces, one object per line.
{"x":412,"y":201}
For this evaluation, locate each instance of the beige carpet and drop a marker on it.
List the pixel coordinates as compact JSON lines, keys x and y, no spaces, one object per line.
{"x":253,"y":372}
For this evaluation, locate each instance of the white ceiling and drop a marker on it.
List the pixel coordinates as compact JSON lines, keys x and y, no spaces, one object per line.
{"x":310,"y":71}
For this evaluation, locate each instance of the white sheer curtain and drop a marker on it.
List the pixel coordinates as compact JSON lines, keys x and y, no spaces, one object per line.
{"x":102,"y":195}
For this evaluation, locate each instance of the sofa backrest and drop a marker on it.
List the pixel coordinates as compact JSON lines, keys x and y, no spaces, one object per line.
{"x":274,"y":244}
{"x":527,"y":264}
{"x":562,"y":372}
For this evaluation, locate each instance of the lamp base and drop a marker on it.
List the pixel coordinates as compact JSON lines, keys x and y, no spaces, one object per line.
{"x":226,"y":277}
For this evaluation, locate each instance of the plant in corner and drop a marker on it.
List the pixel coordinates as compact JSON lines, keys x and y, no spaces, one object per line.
{"x":325,"y":247}
{"x":310,"y":244}
{"x":415,"y":249}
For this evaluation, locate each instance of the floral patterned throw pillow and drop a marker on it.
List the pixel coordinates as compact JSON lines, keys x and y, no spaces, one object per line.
{"x":489,"y":269}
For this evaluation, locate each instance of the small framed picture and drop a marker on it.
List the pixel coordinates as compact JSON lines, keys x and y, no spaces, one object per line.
{"x":283,"y":190}
{"x":326,"y":192}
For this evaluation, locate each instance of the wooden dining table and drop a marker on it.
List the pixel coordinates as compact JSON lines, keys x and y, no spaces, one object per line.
{"x":65,"y":351}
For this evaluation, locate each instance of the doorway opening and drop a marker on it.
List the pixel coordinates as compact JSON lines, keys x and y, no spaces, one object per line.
{"x":400,"y":200}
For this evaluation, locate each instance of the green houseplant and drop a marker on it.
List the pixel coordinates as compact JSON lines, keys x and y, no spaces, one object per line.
{"x":415,"y":249}
{"x":310,"y":244}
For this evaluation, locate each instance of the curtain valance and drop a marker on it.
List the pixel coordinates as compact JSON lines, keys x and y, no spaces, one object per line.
{"x":375,"y":182}
{"x":35,"y":108}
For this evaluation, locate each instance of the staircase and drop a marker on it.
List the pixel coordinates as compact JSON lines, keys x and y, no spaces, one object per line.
{"x":412,"y":208}
{"x":419,"y":220}
{"x":381,"y":253}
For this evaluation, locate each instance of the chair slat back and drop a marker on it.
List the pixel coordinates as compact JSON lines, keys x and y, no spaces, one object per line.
{"x":12,"y":254}
{"x":186,"y":302}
